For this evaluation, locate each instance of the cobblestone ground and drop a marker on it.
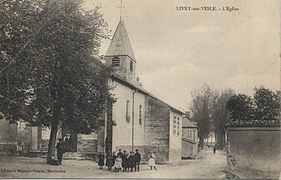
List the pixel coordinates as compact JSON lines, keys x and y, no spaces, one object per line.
{"x":210,"y":166}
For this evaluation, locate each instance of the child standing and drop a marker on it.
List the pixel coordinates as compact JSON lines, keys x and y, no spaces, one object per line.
{"x":118,"y":163}
{"x":151,"y":161}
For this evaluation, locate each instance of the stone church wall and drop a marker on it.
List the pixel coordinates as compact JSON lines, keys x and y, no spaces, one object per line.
{"x":122,"y":131}
{"x":157,"y":129}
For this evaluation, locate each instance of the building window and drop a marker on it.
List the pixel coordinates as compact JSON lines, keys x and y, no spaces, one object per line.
{"x":115,"y":62}
{"x":128,"y":111}
{"x":131,"y":66}
{"x":140,"y":114}
{"x":174,"y":125}
{"x":178,"y":126}
{"x":194,"y":135}
{"x":189,"y":133}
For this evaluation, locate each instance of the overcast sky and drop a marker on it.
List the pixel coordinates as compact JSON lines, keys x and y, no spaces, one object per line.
{"x":179,"y":51}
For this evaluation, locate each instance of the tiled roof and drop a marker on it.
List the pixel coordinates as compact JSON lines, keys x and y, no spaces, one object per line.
{"x":142,"y":90}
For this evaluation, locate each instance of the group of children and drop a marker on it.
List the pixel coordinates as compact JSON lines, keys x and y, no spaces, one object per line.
{"x":123,"y":161}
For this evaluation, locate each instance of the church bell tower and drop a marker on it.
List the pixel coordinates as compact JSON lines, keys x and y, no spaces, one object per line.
{"x":120,"y":55}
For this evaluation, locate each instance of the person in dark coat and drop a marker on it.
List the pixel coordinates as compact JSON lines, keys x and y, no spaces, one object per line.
{"x":214,"y":150}
{"x":127,"y":162}
{"x":137,"y":160}
{"x":109,"y":160}
{"x":60,"y":150}
{"x":120,"y":154}
{"x":101,"y":160}
{"x":132,"y":161}
{"x":123,"y":157}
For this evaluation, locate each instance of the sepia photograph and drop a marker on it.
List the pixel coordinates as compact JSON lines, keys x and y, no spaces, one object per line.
{"x":105,"y":89}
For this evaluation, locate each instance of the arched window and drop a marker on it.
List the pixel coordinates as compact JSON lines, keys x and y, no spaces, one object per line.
{"x":140,"y":114}
{"x":128,"y":111}
{"x":115,"y":62}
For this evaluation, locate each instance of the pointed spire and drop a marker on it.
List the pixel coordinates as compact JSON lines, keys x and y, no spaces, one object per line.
{"x":120,"y":43}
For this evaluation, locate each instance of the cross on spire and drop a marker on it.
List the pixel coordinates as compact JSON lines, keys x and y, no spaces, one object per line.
{"x":121,"y":7}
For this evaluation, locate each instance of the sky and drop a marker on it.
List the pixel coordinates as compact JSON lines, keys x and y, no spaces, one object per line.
{"x":179,"y":51}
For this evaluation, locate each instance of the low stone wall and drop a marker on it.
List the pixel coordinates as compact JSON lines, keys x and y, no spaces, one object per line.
{"x":8,"y":148}
{"x":188,"y":149}
{"x":8,"y":137}
{"x":256,"y":151}
{"x":87,"y":146}
{"x":44,"y":145}
{"x":87,"y":143}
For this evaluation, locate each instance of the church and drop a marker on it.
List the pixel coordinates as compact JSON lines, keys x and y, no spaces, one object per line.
{"x":137,"y":120}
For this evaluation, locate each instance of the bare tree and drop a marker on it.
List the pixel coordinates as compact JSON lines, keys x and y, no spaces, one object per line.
{"x":201,"y":111}
{"x":220,"y":116}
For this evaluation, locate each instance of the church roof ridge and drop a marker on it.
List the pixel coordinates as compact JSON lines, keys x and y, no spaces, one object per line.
{"x":121,"y":80}
{"x":120,"y":43}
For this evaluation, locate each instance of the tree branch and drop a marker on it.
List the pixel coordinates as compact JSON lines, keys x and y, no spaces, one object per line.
{"x":3,"y":2}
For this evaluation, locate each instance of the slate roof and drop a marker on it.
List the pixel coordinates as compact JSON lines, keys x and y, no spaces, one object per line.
{"x":120,"y":43}
{"x":186,"y":123}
